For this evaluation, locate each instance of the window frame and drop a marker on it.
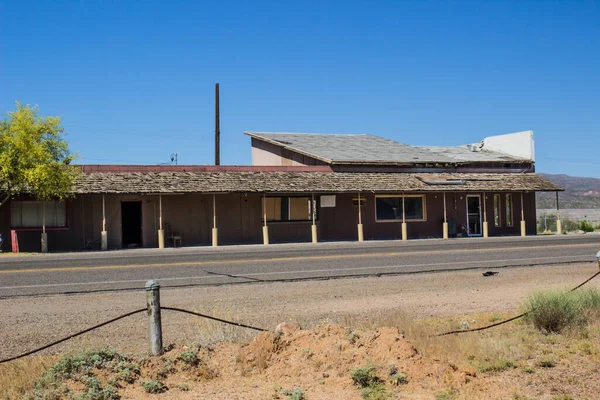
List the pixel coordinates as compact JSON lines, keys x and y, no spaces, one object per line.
{"x":400,"y":196}
{"x":39,"y":228}
{"x":512,"y":207}
{"x":498,"y":209}
{"x":286,"y":211}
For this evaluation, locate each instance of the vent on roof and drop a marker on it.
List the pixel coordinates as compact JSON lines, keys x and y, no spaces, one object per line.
{"x":475,"y":147}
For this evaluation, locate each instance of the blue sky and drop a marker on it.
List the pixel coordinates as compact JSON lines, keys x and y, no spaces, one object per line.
{"x":134,"y":80}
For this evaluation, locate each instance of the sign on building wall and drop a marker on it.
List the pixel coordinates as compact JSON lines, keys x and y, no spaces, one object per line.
{"x":328,"y":201}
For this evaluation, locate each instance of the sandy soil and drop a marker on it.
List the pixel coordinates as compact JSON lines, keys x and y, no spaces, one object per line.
{"x":30,"y":322}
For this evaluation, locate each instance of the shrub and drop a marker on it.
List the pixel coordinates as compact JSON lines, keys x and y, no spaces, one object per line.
{"x":294,"y":394}
{"x":190,"y":358}
{"x":547,"y":364}
{"x":399,"y":378}
{"x":446,"y":395}
{"x":154,"y":387}
{"x":553,"y":311}
{"x":586,"y":226}
{"x":498,"y":365}
{"x":364,"y":376}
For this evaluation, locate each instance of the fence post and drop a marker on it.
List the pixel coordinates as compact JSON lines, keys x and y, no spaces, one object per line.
{"x":154,"y":323}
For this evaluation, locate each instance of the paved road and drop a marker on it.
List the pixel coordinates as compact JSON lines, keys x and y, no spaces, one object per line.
{"x":130,"y":269}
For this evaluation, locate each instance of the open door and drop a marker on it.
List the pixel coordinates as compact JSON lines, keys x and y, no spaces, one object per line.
{"x":474,"y":215}
{"x":131,"y":223}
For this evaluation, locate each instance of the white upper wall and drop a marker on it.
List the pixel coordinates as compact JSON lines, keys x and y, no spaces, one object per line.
{"x":518,"y":144}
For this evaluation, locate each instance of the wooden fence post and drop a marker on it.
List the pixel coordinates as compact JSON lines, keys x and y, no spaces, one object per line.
{"x":154,"y":323}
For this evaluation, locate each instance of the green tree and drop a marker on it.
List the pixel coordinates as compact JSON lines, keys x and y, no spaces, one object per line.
{"x":34,"y":157}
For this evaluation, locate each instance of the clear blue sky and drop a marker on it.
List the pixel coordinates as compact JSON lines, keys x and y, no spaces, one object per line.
{"x":134,"y":80}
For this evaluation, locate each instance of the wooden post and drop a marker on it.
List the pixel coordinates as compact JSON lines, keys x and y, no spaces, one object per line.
{"x":313,"y":227}
{"x":523,"y":228}
{"x":161,"y":231}
{"x":265,"y":228}
{"x":558,"y":221}
{"x":217,"y":128}
{"x":404,"y":230}
{"x":215,"y":235}
{"x":445,"y":224}
{"x":44,"y":239}
{"x":361,"y":236}
{"x":154,"y":321}
{"x":485,"y":223}
{"x":103,"y":234}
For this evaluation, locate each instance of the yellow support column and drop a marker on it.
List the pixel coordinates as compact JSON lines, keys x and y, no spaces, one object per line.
{"x":558,"y":222}
{"x":485,"y":223}
{"x":360,"y":225}
{"x":103,"y":234}
{"x":523,"y":227}
{"x":215,"y":232}
{"x":161,"y":231}
{"x":445,"y":224}
{"x":265,"y":228}
{"x":313,"y":227}
{"x":404,"y":230}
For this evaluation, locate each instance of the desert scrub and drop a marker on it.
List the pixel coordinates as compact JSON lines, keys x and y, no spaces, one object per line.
{"x":371,"y":386}
{"x":79,"y":368}
{"x":294,"y":394}
{"x":446,"y":395}
{"x":553,"y":311}
{"x":497,"y":365}
{"x":154,"y":387}
{"x":189,"y":358}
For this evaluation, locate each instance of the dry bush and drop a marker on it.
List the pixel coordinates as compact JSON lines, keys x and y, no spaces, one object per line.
{"x":18,"y":377}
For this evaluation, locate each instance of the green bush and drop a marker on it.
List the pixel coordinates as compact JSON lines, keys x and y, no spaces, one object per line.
{"x":154,"y":387}
{"x":294,"y":394}
{"x":553,"y":311}
{"x":364,"y":376}
{"x":586,"y":226}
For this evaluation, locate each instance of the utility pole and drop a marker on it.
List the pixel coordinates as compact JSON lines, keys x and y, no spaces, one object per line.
{"x":217,"y":127}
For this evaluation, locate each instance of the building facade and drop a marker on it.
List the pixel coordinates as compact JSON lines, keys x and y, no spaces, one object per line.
{"x":300,"y":188}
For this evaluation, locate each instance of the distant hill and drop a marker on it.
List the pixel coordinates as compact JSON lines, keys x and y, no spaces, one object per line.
{"x":579,"y":192}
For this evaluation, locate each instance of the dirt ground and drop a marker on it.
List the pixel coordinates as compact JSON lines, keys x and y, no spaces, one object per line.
{"x":27,"y":323}
{"x":342,"y":325}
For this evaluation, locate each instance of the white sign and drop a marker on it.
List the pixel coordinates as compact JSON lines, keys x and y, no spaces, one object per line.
{"x":328,"y":201}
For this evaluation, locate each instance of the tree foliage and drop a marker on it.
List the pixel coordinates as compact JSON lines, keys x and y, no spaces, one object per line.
{"x":34,"y":157}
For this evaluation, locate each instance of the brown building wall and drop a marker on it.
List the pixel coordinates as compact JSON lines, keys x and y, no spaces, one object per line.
{"x":239,"y":220}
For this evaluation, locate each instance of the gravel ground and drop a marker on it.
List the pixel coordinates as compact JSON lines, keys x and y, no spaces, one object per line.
{"x":27,"y":323}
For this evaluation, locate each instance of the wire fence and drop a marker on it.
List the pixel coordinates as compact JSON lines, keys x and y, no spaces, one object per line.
{"x":149,"y":308}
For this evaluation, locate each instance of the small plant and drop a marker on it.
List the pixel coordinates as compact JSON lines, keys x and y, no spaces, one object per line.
{"x":547,"y":364}
{"x":189,"y":358}
{"x":183,"y":387}
{"x":529,"y":370}
{"x":371,"y":386}
{"x":365,"y":376}
{"x":154,"y":387}
{"x":398,"y":379}
{"x":498,"y":365}
{"x":563,"y":397}
{"x":446,"y":395}
{"x":353,"y":336}
{"x":294,"y":394}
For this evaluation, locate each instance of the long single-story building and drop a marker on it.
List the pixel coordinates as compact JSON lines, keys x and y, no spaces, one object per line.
{"x":300,"y":188}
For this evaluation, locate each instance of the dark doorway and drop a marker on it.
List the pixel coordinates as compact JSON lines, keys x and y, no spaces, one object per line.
{"x":131,"y":223}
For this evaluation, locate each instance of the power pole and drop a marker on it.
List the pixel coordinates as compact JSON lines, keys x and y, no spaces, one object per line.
{"x":217,"y":128}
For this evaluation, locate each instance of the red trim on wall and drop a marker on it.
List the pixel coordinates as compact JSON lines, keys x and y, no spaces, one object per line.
{"x":203,"y":168}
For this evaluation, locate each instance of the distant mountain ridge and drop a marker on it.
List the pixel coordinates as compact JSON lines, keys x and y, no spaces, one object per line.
{"x":579,"y":192}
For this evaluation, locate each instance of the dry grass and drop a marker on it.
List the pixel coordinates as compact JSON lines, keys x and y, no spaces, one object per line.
{"x":18,"y":377}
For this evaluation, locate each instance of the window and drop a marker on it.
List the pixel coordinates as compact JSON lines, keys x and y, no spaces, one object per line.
{"x":389,"y":208}
{"x":29,"y":214}
{"x":496,"y":210}
{"x":509,"y":210}
{"x":288,"y":208}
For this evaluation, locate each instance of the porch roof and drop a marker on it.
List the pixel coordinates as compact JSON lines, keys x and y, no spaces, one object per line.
{"x":304,"y":182}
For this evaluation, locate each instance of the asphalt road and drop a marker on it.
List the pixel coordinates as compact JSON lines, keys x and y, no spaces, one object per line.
{"x":69,"y":273}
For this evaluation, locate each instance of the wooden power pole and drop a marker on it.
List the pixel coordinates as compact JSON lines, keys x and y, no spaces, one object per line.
{"x":217,"y":128}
